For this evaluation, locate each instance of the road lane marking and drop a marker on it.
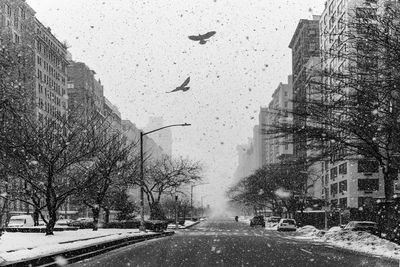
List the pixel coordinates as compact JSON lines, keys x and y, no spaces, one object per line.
{"x":309,"y":252}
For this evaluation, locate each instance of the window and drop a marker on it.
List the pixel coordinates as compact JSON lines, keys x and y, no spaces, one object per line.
{"x":334,"y":189}
{"x":23,"y":15}
{"x":16,"y":22}
{"x":370,"y":166}
{"x":343,"y":203}
{"x":368,"y":184}
{"x":8,"y":8}
{"x":16,"y":38}
{"x":343,"y":168}
{"x":343,"y":187}
{"x":334,"y":173}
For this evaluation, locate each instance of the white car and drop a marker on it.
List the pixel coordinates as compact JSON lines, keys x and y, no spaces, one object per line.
{"x":287,"y":225}
{"x":20,"y":221}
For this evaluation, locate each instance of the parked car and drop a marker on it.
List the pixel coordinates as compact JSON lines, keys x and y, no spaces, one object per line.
{"x":257,"y":220}
{"x":156,"y":225}
{"x":20,"y":221}
{"x":287,"y":225}
{"x":63,"y":222}
{"x":365,"y":226}
{"x":274,"y":219}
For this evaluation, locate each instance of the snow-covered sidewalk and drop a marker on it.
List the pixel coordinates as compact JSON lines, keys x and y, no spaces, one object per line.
{"x":353,"y":240}
{"x":20,"y":246}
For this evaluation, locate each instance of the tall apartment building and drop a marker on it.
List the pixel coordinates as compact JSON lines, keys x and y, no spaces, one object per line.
{"x":113,"y":115}
{"x":51,"y":69}
{"x":262,"y":122}
{"x":304,"y":45}
{"x":279,"y":110}
{"x":41,"y":62}
{"x":85,"y":92}
{"x":345,"y":183}
{"x":246,"y":160}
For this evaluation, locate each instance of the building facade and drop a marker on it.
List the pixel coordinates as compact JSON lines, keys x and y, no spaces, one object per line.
{"x":41,"y":63}
{"x":279,"y":111}
{"x":304,"y":45}
{"x":344,"y":182}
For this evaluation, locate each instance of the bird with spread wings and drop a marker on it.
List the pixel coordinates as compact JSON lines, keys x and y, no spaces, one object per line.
{"x":202,"y":38}
{"x":182,"y":87}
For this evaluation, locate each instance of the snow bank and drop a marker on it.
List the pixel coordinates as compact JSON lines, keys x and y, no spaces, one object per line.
{"x":307,"y":229}
{"x":353,"y":240}
{"x":19,"y":246}
{"x":186,"y":224}
{"x":335,"y":229}
{"x":271,"y":226}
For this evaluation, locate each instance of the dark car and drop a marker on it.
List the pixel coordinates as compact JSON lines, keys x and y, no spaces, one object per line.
{"x":257,"y":220}
{"x":365,"y":226}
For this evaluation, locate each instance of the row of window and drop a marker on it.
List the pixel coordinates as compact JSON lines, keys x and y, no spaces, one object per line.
{"x":54,"y":59}
{"x":50,"y":82}
{"x":18,"y":12}
{"x":364,"y":166}
{"x":42,"y":34}
{"x":366,"y":185}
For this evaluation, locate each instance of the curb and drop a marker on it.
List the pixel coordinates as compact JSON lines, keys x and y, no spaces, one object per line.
{"x":86,"y":252}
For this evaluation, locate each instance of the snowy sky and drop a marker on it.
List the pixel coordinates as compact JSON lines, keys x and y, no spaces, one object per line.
{"x":140,"y":50}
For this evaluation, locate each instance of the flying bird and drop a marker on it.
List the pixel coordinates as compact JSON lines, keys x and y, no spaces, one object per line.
{"x":202,"y":37}
{"x":182,"y":87}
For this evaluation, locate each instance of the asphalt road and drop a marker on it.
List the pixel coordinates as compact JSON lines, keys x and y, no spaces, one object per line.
{"x":228,"y":243}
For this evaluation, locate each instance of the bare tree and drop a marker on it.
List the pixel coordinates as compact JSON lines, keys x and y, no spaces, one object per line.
{"x":50,"y":157}
{"x":273,"y":186}
{"x":110,"y":173}
{"x":165,"y":176}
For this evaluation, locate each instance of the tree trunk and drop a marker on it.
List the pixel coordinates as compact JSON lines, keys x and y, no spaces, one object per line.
{"x":52,"y":222}
{"x":36,"y":217}
{"x":96,"y":212}
{"x":107,"y":216}
{"x":52,"y":209}
{"x":389,"y":174}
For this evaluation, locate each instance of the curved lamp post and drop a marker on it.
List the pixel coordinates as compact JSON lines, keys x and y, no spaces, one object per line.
{"x":142,"y":227}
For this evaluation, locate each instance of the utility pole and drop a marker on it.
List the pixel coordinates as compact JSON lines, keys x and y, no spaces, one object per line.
{"x":176,"y":213}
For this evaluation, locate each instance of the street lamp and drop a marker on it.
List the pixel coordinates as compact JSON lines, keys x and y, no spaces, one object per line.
{"x":142,"y":227}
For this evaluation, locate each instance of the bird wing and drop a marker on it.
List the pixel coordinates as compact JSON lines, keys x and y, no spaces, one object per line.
{"x":186,"y":82}
{"x":208,"y":35}
{"x":194,"y":37}
{"x":175,"y":90}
